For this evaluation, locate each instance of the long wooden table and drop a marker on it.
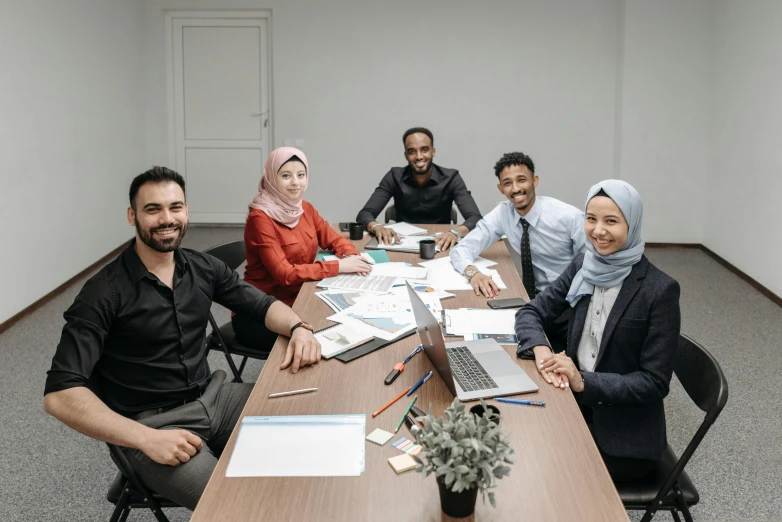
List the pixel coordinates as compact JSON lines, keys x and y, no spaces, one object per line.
{"x":559,"y":474}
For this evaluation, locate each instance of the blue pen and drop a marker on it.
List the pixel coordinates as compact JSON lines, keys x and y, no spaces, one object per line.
{"x":519,"y":401}
{"x":417,"y":349}
{"x":419,"y":383}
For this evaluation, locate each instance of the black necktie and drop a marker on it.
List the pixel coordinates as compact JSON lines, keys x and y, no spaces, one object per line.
{"x":527,"y":276}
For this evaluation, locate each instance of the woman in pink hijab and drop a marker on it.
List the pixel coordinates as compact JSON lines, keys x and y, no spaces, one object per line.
{"x":282,"y":236}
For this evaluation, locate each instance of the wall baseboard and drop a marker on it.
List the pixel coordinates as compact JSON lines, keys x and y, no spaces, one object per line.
{"x":5,"y":325}
{"x":741,"y":275}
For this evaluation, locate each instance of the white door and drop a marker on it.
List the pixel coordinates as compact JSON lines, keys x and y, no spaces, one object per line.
{"x":221,"y":120}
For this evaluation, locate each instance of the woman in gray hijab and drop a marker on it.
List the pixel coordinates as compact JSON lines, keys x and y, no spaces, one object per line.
{"x":623,"y":331}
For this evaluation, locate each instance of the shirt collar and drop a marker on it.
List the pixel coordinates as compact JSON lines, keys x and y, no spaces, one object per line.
{"x":433,"y":180}
{"x":136,"y":267}
{"x":533,"y":215}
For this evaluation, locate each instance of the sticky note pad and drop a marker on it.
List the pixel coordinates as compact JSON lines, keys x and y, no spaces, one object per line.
{"x":402,"y":463}
{"x":379,"y":436}
{"x":411,"y":449}
{"x":404,"y":447}
{"x":399,"y":442}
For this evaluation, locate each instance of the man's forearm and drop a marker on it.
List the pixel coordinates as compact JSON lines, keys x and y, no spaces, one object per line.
{"x":280,"y":318}
{"x":82,"y":410}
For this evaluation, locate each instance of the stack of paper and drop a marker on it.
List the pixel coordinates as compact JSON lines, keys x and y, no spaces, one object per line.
{"x":299,"y":446}
{"x":372,"y":283}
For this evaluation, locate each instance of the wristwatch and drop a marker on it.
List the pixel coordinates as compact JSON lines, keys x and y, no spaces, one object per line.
{"x":455,"y":232}
{"x":470,"y":272}
{"x":303,"y":325}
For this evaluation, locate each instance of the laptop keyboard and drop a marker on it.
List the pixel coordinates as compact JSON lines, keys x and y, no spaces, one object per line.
{"x":467,"y":371}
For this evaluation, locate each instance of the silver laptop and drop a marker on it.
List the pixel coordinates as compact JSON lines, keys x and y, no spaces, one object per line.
{"x":471,"y":369}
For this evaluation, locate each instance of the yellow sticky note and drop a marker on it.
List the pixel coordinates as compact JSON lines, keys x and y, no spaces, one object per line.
{"x":402,"y":463}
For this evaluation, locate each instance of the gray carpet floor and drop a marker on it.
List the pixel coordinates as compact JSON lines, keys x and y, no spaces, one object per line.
{"x":51,"y":473}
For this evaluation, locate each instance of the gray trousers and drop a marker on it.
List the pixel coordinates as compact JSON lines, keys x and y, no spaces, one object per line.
{"x":212,"y":417}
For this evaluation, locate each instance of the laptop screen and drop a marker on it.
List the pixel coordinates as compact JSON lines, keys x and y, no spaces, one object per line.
{"x":431,"y":335}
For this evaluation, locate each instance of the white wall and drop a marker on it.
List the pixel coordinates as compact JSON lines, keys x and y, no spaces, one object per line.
{"x":664,"y":117}
{"x":744,"y":188}
{"x":70,"y":138}
{"x":487,"y":78}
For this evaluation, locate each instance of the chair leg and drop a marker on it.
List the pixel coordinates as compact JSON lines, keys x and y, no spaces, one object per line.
{"x":158,"y":514}
{"x":684,"y":508}
{"x":120,"y":510}
{"x":675,"y":516}
{"x":241,"y":366}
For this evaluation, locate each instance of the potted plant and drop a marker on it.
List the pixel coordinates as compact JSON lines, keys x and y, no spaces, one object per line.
{"x":466,"y":453}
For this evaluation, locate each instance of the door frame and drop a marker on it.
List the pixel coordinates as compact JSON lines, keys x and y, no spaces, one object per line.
{"x":171,"y":15}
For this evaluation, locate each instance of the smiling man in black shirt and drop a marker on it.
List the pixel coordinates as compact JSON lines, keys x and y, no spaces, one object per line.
{"x":131,"y":366}
{"x":423,"y":193}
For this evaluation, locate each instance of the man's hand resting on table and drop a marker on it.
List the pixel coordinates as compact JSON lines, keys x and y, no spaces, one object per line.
{"x":484,"y":285}
{"x":385,"y":235}
{"x":303,"y":349}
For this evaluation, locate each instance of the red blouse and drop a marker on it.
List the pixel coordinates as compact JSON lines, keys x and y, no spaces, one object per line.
{"x":280,"y":259}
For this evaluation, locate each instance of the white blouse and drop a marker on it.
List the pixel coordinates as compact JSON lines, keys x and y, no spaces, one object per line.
{"x":600,"y":305}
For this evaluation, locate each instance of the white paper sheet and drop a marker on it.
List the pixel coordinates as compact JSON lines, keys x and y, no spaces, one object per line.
{"x":406,"y":229}
{"x":479,"y":321}
{"x":371,"y":283}
{"x":299,"y":446}
{"x":399,"y":270}
{"x":442,"y":275}
{"x":440,"y":262}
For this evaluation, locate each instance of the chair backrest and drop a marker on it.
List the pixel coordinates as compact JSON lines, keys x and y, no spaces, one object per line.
{"x":391,"y":214}
{"x":231,"y":253}
{"x":703,"y":380}
{"x":701,"y":376}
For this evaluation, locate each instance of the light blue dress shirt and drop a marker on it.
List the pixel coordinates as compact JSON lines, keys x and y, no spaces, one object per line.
{"x":556,"y":236}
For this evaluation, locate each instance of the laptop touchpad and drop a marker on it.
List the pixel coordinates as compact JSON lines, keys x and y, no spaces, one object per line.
{"x":498,"y":364}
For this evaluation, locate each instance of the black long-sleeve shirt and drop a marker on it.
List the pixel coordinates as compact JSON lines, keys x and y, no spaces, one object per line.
{"x":141,"y":342}
{"x":428,"y":204}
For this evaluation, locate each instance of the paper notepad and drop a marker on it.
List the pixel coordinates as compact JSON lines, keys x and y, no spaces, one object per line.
{"x":406,"y":229}
{"x":379,"y":437}
{"x":299,"y":446}
{"x":340,"y":338}
{"x":402,"y":463}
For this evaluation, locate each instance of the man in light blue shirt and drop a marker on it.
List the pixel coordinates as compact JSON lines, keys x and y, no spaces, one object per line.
{"x":554,"y":234}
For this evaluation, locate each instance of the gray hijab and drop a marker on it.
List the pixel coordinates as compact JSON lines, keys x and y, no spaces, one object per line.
{"x":610,"y":270}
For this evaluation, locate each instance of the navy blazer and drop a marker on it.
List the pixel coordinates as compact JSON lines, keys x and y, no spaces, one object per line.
{"x":634,"y":364}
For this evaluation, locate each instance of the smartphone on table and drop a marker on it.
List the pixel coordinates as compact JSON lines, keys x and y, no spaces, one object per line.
{"x":500,"y":304}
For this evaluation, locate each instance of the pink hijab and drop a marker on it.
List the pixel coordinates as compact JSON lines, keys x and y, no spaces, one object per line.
{"x":274,"y":203}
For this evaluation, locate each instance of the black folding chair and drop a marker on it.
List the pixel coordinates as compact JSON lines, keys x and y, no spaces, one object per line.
{"x":391,"y":214}
{"x":127,"y":491}
{"x":223,"y":338}
{"x":670,"y":489}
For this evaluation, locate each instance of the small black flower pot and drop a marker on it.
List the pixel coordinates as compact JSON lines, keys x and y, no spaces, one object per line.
{"x":457,"y":505}
{"x":479,"y":411}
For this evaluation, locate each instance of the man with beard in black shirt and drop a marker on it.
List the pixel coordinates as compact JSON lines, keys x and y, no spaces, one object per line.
{"x":131,"y":366}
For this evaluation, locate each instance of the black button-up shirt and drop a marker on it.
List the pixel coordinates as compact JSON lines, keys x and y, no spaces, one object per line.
{"x":141,"y":342}
{"x":428,"y":204}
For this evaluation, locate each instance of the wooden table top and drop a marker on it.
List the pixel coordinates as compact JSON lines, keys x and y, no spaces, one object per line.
{"x":559,"y":474}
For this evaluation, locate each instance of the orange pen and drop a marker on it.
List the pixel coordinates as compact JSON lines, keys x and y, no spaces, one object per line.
{"x":392,"y":401}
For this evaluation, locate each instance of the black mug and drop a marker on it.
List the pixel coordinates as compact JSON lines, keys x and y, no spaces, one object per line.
{"x":356,"y":231}
{"x":426,"y":248}
{"x":479,"y":411}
